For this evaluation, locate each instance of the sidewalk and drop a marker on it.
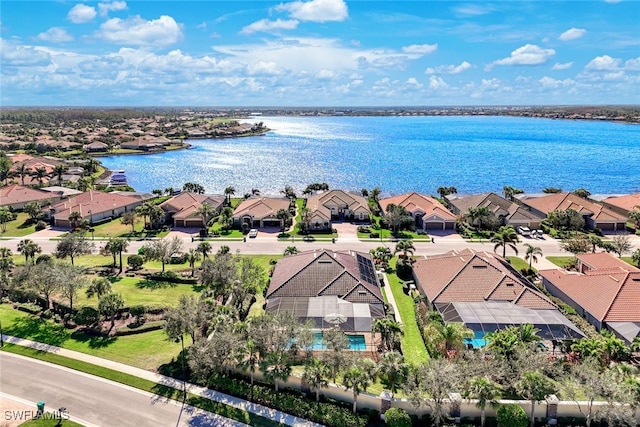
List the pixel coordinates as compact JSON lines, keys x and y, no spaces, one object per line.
{"x":213,"y":395}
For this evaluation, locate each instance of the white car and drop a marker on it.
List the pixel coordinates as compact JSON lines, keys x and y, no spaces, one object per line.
{"x":253,"y":232}
{"x":525,"y":231}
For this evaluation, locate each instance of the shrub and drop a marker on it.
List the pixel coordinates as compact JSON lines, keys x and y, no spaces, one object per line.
{"x":397,"y":417}
{"x":511,"y":415}
{"x":363,"y":229}
{"x":147,"y":327}
{"x":87,"y":316}
{"x":41,"y":225}
{"x":47,"y":314}
{"x":138,"y":311}
{"x":374,"y":235}
{"x":44,"y":258}
{"x":135,"y":261}
{"x":29,"y":307}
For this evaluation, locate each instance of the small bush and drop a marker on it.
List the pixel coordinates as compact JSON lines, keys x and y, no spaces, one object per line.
{"x":511,"y":415}
{"x":135,"y":261}
{"x":41,"y":225}
{"x":29,"y":307}
{"x":375,"y":235}
{"x":396,"y":417}
{"x":147,"y":327}
{"x":47,"y":314}
{"x":44,"y":258}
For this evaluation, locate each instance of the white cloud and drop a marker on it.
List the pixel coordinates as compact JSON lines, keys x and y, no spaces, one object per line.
{"x":549,"y":82}
{"x":17,"y":55}
{"x":113,"y":6}
{"x":632,"y":64}
{"x":612,"y":1}
{"x":81,"y":13}
{"x":140,"y":32}
{"x":603,"y":63}
{"x":266,"y":25}
{"x":449,"y":69}
{"x":264,"y":68}
{"x":414,"y":83}
{"x":528,"y":54}
{"x":437,"y":83}
{"x":325,"y":75}
{"x":473,"y":9}
{"x":55,"y":35}
{"x":316,"y":10}
{"x":572,"y":34}
{"x":420,"y":49}
{"x":562,"y":66}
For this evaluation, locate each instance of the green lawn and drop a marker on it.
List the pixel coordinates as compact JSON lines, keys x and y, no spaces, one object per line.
{"x":49,"y":423}
{"x":561,"y":261}
{"x":115,"y":228}
{"x":136,"y":291}
{"x":265,"y":262}
{"x":147,"y":350}
{"x":518,"y":263}
{"x":142,"y":384}
{"x":18,"y":228}
{"x":412,"y":345}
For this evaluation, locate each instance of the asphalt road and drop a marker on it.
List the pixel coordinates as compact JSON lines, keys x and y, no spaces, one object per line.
{"x":94,"y":400}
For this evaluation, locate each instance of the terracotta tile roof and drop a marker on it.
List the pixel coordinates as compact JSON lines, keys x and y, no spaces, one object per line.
{"x":348,"y":274}
{"x":608,"y":295}
{"x":413,"y":202}
{"x":95,"y":201}
{"x":627,"y":203}
{"x":354,"y":201}
{"x":17,"y":194}
{"x":261,"y":207}
{"x":496,"y":204}
{"x":185,"y":204}
{"x":602,"y":260}
{"x":469,"y":276}
{"x":564,"y":201}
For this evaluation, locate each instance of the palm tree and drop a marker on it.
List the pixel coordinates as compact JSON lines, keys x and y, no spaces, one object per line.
{"x":23,"y":170}
{"x":532,"y":253}
{"x":204,"y":248}
{"x":99,"y":287}
{"x":192,"y":257}
{"x":290,"y":250}
{"x":255,"y":192}
{"x":109,"y":305}
{"x":29,"y":249}
{"x":144,"y":210}
{"x":406,"y":247}
{"x":449,"y":337}
{"x":528,"y":333}
{"x":5,"y":217}
{"x":505,"y":236}
{"x":156,"y":216}
{"x":85,"y":183}
{"x":74,"y":219}
{"x":206,"y":212}
{"x":389,"y":331}
{"x":393,"y":371}
{"x":315,"y":374}
{"x":40,"y":173}
{"x":116,"y":246}
{"x":58,"y":171}
{"x":381,"y":255}
{"x":228,"y":192}
{"x":358,"y":378}
{"x":484,"y":391}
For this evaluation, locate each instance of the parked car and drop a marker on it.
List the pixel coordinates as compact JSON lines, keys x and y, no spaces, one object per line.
{"x":253,"y":232}
{"x":540,"y":234}
{"x":525,"y":231}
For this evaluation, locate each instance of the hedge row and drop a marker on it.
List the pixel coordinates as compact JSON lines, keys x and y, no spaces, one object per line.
{"x":146,"y":327}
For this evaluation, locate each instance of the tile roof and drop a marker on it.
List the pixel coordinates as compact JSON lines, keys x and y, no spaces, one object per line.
{"x":413,"y":202}
{"x":319,"y":201}
{"x":475,"y":276}
{"x":261,"y":207}
{"x":564,"y":201}
{"x":601,"y":260}
{"x":496,"y":204}
{"x":627,"y":203}
{"x":16,"y":194}
{"x":95,"y":201}
{"x":186,"y":203}
{"x":611,"y":295}
{"x":348,"y":274}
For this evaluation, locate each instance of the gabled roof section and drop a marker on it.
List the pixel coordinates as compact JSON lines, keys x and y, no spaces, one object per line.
{"x":495,"y":204}
{"x":95,"y":201}
{"x":414,"y":202}
{"x":324,"y":272}
{"x":261,"y":207}
{"x":601,"y":260}
{"x":474,"y":276}
{"x":626,"y":203}
{"x":16,"y":194}
{"x":564,"y":201}
{"x":353,"y":200}
{"x":187,"y":199}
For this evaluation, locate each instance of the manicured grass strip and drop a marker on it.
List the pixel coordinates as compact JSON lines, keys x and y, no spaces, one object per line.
{"x":519,"y":263}
{"x":50,"y":423}
{"x":561,"y":261}
{"x":142,"y":384}
{"x":413,"y":347}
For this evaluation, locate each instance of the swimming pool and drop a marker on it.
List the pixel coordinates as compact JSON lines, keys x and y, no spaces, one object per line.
{"x":356,"y":342}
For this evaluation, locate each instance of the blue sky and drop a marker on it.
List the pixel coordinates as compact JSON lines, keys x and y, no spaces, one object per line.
{"x":319,"y":53}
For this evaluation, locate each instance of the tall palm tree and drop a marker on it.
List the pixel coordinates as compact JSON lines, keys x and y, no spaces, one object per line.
{"x":359,"y":377}
{"x":228,"y":192}
{"x":143,"y":210}
{"x":156,"y":215}
{"x":23,"y":170}
{"x":381,"y":255}
{"x":99,"y":286}
{"x":192,"y":257}
{"x":389,"y":331}
{"x":255,"y":192}
{"x":484,"y":391}
{"x":58,"y":171}
{"x":393,"y":371}
{"x":206,"y":212}
{"x":40,"y":173}
{"x":315,"y":374}
{"x":406,"y":247}
{"x":74,"y":219}
{"x":532,"y":253}
{"x":204,"y":248}
{"x":29,"y":249}
{"x":505,"y":236}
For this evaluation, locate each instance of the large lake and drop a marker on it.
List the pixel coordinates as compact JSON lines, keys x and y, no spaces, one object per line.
{"x":399,"y":154}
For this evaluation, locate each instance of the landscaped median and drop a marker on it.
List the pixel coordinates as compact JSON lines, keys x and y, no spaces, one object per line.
{"x":167,"y":387}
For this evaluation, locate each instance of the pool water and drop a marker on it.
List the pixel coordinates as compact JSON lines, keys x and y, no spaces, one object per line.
{"x":356,"y":342}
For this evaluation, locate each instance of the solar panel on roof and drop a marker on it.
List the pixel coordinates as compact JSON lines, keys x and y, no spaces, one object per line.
{"x":365,"y":267}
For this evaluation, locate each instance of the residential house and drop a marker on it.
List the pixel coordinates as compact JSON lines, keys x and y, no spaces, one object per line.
{"x":93,"y":206}
{"x":330,"y":288}
{"x":335,"y":205}
{"x":96,"y":147}
{"x":595,"y":215}
{"x":484,"y":292}
{"x":604,"y":290}
{"x":428,"y":213}
{"x":15,"y":196}
{"x":182,"y":209}
{"x":507,"y":212}
{"x":259,"y":212}
{"x":623,"y":204}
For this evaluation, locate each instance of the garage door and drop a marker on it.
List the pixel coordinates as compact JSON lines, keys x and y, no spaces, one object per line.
{"x":271,"y":222}
{"x":433,"y":226}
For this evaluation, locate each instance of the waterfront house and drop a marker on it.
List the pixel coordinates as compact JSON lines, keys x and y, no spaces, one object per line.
{"x":96,"y":147}
{"x":484,"y":292}
{"x":622,"y":204}
{"x":182,"y":209}
{"x":331,"y":288}
{"x":428,"y":213}
{"x":15,"y":197}
{"x":604,"y":290}
{"x":93,"y":206}
{"x":594,"y":214}
{"x":260,"y":212}
{"x":336,"y":205}
{"x":506,"y":211}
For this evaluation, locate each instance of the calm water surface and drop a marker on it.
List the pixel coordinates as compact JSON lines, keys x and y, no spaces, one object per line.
{"x":399,"y":154}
